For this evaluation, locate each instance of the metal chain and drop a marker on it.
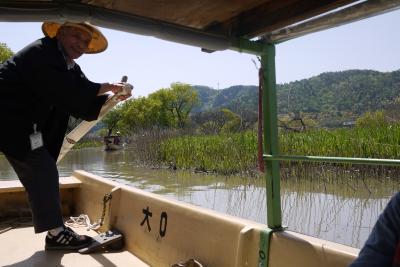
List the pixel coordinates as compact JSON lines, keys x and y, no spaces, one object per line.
{"x":107,"y":197}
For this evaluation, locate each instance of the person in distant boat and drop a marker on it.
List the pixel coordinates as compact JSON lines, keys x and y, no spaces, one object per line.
{"x":41,"y":86}
{"x":117,"y":138}
{"x":382,"y":247}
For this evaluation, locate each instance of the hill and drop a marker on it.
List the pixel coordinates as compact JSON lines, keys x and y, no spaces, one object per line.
{"x":346,"y":93}
{"x":236,"y":98}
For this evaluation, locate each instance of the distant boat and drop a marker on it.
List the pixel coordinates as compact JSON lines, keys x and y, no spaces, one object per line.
{"x":113,"y":142}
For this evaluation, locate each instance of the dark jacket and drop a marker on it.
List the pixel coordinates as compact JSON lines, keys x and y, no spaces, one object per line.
{"x":382,"y":248}
{"x":36,"y":87}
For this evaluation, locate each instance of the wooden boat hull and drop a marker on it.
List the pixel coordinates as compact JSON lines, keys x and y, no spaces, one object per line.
{"x":161,"y":231}
{"x":112,"y":142}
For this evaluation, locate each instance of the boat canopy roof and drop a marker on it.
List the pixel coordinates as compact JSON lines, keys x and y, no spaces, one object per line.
{"x":209,"y":24}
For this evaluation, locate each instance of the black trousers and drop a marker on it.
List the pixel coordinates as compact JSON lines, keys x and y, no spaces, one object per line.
{"x":39,"y":175}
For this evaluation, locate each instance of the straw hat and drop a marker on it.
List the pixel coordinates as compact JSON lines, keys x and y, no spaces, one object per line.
{"x":97,"y":44}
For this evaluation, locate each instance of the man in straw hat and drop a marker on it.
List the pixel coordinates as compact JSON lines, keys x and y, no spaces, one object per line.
{"x":41,"y":86}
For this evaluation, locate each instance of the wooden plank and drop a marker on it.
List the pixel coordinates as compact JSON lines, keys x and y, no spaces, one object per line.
{"x":274,"y":15}
{"x":11,"y":186}
{"x":16,"y":186}
{"x":190,"y":13}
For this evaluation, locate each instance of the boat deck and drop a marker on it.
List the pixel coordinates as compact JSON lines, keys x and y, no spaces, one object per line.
{"x":22,"y":247}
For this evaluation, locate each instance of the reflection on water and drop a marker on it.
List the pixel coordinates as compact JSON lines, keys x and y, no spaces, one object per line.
{"x":342,"y":210}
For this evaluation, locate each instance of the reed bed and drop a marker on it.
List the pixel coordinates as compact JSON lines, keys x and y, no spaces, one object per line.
{"x":225,"y":154}
{"x":237,"y":153}
{"x":382,"y":142}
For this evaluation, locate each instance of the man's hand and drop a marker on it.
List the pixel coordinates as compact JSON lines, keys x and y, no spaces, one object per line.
{"x":123,"y":88}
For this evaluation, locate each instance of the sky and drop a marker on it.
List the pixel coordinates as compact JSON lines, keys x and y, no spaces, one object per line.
{"x":152,"y":64}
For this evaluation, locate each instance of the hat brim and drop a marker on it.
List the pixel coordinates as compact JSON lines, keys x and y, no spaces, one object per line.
{"x":97,"y":44}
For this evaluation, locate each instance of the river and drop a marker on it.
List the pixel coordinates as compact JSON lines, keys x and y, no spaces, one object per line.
{"x":339,"y":210}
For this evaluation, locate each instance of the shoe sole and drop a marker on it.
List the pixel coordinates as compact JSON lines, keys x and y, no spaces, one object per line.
{"x":46,"y":247}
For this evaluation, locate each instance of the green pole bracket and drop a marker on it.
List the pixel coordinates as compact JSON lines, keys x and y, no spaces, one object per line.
{"x":243,"y":45}
{"x":270,"y":146}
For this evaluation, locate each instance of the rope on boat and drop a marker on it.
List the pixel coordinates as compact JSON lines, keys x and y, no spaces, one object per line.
{"x":83,"y":219}
{"x":80,"y":221}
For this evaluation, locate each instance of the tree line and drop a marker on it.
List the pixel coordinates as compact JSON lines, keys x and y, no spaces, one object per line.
{"x":171,"y":108}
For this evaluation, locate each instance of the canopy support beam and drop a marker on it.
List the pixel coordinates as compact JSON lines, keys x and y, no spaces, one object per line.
{"x":38,"y":11}
{"x":361,"y":10}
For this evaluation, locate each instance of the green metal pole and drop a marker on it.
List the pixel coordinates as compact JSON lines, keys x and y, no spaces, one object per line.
{"x":274,"y":217}
{"x":270,"y":138}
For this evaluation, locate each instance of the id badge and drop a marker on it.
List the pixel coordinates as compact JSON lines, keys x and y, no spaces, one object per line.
{"x":36,"y":139}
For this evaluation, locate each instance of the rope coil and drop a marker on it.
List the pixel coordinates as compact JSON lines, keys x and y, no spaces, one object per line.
{"x":84,"y":221}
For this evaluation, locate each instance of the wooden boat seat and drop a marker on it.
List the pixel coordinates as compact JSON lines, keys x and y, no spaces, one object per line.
{"x":14,"y":203}
{"x":16,"y":186}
